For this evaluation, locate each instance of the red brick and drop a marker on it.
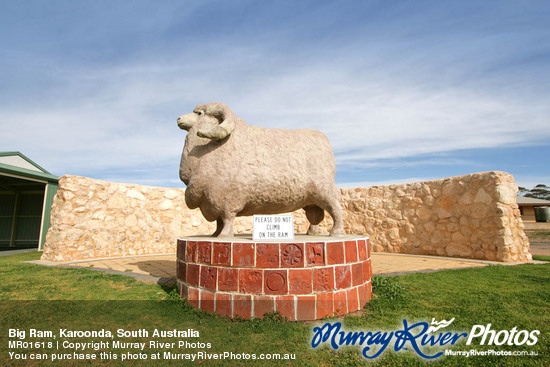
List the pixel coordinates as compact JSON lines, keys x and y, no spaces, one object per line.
{"x":341,"y":302}
{"x":267,"y":255}
{"x":362,"y":246}
{"x":204,"y":253}
{"x":367,"y":271}
{"x":228,"y":279}
{"x":343,"y":276}
{"x":209,"y":277}
{"x":243,"y":254}
{"x":276,"y":282}
{"x":242,"y":306}
{"x":207,"y":301}
{"x":183,"y":289}
{"x":364,"y":295}
{"x":357,"y":274}
{"x":353,"y":300}
{"x":325,"y":305}
{"x":263,"y":305}
{"x":250,"y":281}
{"x":191,"y":251}
{"x":193,"y":274}
{"x":315,"y":254}
{"x":351,"y":251}
{"x":221,"y":253}
{"x":181,"y":244}
{"x":292,"y":255}
{"x":300,"y":281}
{"x":193,"y":297}
{"x":323,"y":279}
{"x":181,"y":270}
{"x":286,"y":307}
{"x":335,"y":253}
{"x":224,"y":304}
{"x":305,"y":307}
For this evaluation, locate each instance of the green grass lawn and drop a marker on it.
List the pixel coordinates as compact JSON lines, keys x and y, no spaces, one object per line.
{"x":45,"y":298}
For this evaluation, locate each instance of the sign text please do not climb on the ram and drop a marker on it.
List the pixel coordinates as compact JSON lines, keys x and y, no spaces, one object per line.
{"x":273,"y":227}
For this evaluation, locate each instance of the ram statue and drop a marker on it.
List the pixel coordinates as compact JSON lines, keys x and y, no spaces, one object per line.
{"x":232,"y":169}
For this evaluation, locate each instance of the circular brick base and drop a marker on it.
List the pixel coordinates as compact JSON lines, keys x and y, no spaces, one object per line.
{"x":305,"y":279}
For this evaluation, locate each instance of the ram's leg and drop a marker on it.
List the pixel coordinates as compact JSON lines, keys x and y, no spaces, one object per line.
{"x":335,"y":211}
{"x":219,"y":226}
{"x":314,"y":215}
{"x":227,"y":225}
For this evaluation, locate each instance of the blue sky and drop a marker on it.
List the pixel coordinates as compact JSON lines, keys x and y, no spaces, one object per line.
{"x":405,"y":90}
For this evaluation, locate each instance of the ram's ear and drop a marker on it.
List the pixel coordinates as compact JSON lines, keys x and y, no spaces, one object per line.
{"x":226,"y":118}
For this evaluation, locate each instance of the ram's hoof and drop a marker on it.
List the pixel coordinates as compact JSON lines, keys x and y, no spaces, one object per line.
{"x":313,"y":230}
{"x":337,"y":233}
{"x":225,"y":235}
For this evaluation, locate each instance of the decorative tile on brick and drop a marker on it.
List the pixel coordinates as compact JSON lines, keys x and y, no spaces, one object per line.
{"x":276,"y":282}
{"x":301,"y":280}
{"x":267,"y":255}
{"x":250,"y":281}
{"x":243,"y":255}
{"x":335,"y":253}
{"x":221,"y":253}
{"x":191,"y":251}
{"x":351,"y":251}
{"x":292,"y":255}
{"x":204,"y":253}
{"x":315,"y":254}
{"x":228,"y":279}
{"x":209,"y":277}
{"x":342,"y":275}
{"x":323,"y":279}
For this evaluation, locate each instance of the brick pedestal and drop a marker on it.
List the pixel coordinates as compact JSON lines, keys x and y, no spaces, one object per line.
{"x":305,"y":279}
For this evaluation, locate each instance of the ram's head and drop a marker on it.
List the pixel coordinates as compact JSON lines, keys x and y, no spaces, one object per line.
{"x":213,"y":121}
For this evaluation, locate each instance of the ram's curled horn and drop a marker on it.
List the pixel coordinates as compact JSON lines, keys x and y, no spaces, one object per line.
{"x":227,"y":125}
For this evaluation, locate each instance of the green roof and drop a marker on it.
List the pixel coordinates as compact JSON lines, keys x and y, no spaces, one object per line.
{"x":42,"y":175}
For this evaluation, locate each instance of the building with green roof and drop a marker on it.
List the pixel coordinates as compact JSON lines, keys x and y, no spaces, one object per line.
{"x":26,"y":196}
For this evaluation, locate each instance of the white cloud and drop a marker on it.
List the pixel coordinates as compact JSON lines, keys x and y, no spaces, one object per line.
{"x":130,"y":119}
{"x":390,"y":96}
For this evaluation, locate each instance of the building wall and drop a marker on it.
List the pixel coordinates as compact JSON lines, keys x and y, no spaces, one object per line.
{"x":17,"y":161}
{"x":471,"y":216}
{"x":20,"y":218}
{"x":528,"y":214}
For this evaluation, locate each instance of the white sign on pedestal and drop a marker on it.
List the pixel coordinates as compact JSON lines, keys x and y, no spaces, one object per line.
{"x":273,"y":227}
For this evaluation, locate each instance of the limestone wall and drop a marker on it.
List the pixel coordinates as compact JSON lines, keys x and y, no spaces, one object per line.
{"x":471,"y":216}
{"x":92,"y":218}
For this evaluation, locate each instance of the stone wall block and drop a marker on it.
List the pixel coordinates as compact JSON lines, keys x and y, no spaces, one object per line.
{"x":472,"y":216}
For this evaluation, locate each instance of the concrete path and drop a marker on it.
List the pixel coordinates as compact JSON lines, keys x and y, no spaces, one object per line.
{"x":162,"y":268}
{"x":16,"y":251}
